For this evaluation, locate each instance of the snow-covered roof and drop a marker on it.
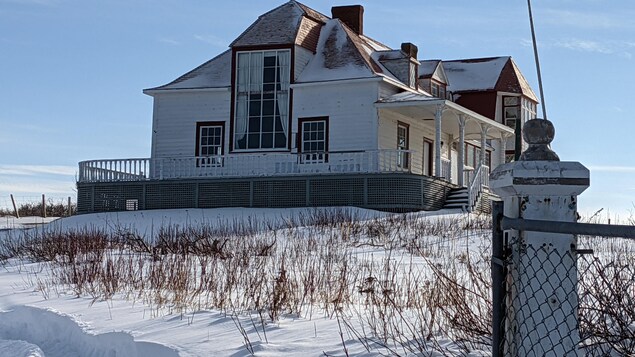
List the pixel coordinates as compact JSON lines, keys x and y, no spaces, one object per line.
{"x":337,"y":56}
{"x":408,"y":97}
{"x":341,"y":53}
{"x":427,"y":68}
{"x":278,"y":26}
{"x":474,"y":74}
{"x":215,"y":73}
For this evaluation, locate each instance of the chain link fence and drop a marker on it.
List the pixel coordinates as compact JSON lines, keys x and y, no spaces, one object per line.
{"x":601,"y":314}
{"x":536,"y":300}
{"x":560,"y":294}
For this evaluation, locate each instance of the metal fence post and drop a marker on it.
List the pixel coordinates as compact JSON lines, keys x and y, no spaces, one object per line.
{"x":541,"y":300}
{"x":498,"y":280}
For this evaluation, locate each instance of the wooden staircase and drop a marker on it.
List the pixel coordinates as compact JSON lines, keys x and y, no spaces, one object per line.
{"x":458,"y":198}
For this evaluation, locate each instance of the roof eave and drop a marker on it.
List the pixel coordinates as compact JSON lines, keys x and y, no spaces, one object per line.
{"x":153,"y":91}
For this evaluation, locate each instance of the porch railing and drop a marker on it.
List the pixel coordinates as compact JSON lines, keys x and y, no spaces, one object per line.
{"x":446,"y":169}
{"x":479,"y":179}
{"x":114,"y":170}
{"x":246,"y":165}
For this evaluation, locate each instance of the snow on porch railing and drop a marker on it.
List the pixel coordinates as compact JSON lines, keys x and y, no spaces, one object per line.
{"x":246,"y":165}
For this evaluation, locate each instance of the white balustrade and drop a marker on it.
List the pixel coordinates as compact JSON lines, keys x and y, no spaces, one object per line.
{"x":245,"y":165}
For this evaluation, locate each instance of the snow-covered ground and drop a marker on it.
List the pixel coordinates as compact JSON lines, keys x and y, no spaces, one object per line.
{"x":10,"y":222}
{"x":37,"y":319}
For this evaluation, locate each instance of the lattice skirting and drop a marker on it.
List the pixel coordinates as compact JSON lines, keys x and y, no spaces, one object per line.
{"x":388,"y":192}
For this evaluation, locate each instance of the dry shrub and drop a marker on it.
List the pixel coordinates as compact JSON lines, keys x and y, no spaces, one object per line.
{"x":53,"y":209}
{"x":607,"y":298}
{"x":400,"y":284}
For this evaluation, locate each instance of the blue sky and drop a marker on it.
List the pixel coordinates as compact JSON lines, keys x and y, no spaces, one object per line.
{"x":72,"y":71}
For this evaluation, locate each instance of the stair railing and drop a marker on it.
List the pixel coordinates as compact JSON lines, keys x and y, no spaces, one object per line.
{"x":475,"y":188}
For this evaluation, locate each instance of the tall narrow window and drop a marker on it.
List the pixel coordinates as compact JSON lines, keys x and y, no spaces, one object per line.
{"x":511,"y":111}
{"x":528,"y":110}
{"x":402,"y":145}
{"x":314,"y":136}
{"x":435,"y":89}
{"x":262,"y":100}
{"x":209,"y":144}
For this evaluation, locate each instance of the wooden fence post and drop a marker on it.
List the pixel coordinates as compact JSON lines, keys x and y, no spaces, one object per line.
{"x":43,"y":206}
{"x":15,"y":208}
{"x":70,"y":207}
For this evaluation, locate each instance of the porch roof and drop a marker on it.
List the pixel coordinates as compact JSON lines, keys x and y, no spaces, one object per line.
{"x":423,"y":107}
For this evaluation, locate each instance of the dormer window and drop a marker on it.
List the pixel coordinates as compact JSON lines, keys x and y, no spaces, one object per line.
{"x":261,"y":119}
{"x":437,"y":89}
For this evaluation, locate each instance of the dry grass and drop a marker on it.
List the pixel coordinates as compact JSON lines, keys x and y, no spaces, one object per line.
{"x":400,"y":284}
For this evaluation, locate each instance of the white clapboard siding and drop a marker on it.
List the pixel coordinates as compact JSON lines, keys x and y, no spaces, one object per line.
{"x":176,"y":115}
{"x":350,"y":108}
{"x":302,"y":58}
{"x":386,"y":90}
{"x":418,"y":130}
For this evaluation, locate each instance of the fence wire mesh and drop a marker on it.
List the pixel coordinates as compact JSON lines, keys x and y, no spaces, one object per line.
{"x":544,"y":315}
{"x":541,"y":302}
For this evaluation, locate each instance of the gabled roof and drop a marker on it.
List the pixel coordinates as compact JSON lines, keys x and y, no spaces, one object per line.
{"x":215,"y":73}
{"x":512,"y":80}
{"x":433,"y":69}
{"x":483,"y":74}
{"x":278,"y":26}
{"x":476,"y":74}
{"x":341,"y":53}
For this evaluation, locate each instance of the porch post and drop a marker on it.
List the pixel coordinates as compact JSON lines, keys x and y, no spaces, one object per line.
{"x":437,"y":140}
{"x":484,"y":129}
{"x":450,"y":141}
{"x":461,"y":162}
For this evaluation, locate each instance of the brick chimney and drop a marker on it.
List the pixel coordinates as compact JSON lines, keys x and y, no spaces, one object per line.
{"x":351,"y":15}
{"x":402,"y":64}
{"x":409,"y":49}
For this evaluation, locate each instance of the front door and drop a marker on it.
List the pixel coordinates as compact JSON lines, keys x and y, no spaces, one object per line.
{"x":427,"y":157}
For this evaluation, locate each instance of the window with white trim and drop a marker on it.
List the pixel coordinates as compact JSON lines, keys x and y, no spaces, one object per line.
{"x":314,"y":141}
{"x":528,"y":110}
{"x":511,"y":111}
{"x":210,"y":145}
{"x":261,"y":118}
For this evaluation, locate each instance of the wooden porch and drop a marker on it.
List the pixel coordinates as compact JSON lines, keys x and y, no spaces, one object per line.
{"x":382,"y":179}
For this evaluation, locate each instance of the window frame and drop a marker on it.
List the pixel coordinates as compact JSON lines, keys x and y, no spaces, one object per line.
{"x":315,"y":156}
{"x":475,"y":150}
{"x":509,"y":121}
{"x":279,"y":126}
{"x":441,"y":89}
{"x":403,"y":159}
{"x":209,"y":160}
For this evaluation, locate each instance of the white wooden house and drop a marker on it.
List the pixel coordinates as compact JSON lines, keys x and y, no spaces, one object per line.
{"x":307,"y":110}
